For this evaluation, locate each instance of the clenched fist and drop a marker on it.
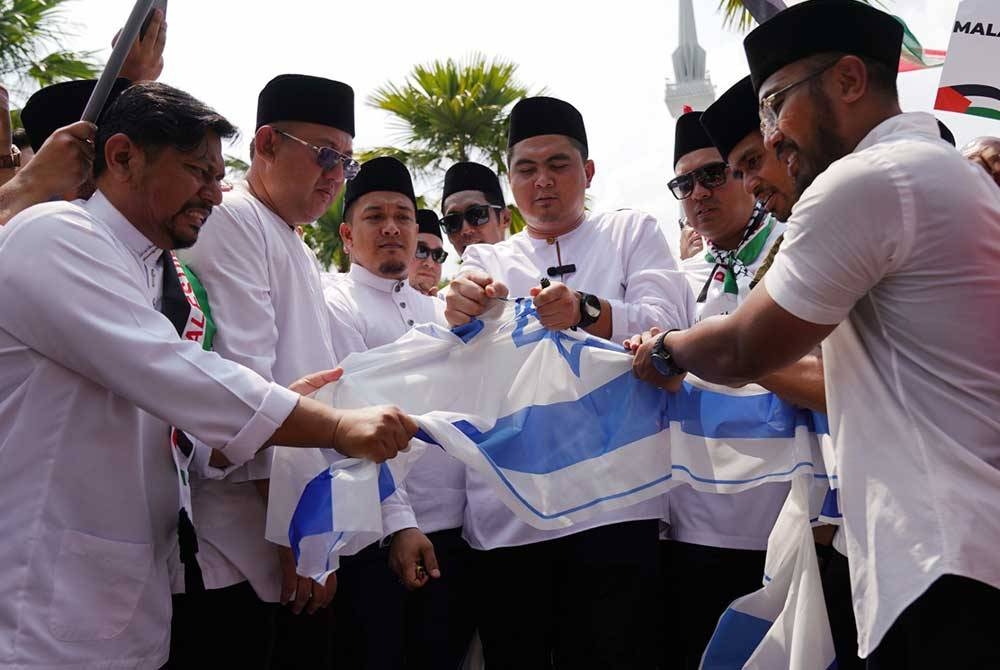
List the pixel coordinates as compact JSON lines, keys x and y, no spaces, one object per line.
{"x":376,"y":433}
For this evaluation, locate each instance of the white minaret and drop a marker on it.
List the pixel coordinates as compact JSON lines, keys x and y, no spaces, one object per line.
{"x":692,"y":86}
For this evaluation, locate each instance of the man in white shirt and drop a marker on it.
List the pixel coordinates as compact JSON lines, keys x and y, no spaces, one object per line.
{"x":582,"y":596}
{"x":267,"y":301}
{"x":92,"y":375}
{"x":379,"y":624}
{"x":429,"y":256}
{"x":473,"y":206}
{"x":875,"y":267}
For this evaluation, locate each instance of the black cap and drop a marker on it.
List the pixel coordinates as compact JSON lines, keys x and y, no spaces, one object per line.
{"x":380,"y":174}
{"x":545,"y":116}
{"x":946,"y":133}
{"x":428,"y":222}
{"x":300,"y":97}
{"x":472,"y":177}
{"x":819,"y":26}
{"x":690,"y":135}
{"x":58,"y":105}
{"x":732,"y":117}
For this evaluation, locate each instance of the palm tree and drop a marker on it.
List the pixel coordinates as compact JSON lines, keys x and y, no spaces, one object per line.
{"x":30,"y":35}
{"x":735,"y":13}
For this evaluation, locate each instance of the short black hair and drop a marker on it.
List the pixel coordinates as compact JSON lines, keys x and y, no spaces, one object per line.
{"x":20,"y":139}
{"x":881,"y":78}
{"x":156,"y":116}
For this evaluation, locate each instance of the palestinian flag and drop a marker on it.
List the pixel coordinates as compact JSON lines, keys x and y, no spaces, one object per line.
{"x":974,"y":99}
{"x":914,"y":56}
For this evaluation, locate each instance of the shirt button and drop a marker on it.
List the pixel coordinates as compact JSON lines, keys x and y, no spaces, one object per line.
{"x":409,"y":322}
{"x":403,"y":305}
{"x":397,"y":287}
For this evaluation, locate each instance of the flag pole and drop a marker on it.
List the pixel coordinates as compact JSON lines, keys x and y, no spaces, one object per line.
{"x":114,"y":66}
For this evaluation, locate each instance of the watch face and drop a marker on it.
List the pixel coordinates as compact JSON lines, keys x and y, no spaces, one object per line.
{"x":592,"y":305}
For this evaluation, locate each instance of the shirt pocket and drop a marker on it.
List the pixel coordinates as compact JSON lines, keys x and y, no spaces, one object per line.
{"x":97,"y":586}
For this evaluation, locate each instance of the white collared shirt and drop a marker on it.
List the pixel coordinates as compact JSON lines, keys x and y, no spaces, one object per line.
{"x":266,"y":297}
{"x":622,"y":257}
{"x":368,"y":311}
{"x":739,"y":520}
{"x":91,"y":376}
{"x":899,"y":244}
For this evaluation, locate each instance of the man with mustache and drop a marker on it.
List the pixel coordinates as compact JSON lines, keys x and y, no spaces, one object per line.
{"x":868,"y":268}
{"x":404,"y":602}
{"x":267,"y":301}
{"x":425,"y":266}
{"x":473,"y":206}
{"x":584,"y":596}
{"x":92,"y":375}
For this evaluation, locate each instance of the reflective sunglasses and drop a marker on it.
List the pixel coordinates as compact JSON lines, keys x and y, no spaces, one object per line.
{"x":437,"y":255}
{"x":770,"y":106}
{"x":477,"y":215}
{"x":710,"y":176}
{"x":327,"y":157}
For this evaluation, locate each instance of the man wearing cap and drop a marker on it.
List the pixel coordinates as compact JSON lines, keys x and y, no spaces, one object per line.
{"x":473,"y":206}
{"x":425,"y":266}
{"x":583,"y":595}
{"x":403,"y":602}
{"x":268,"y":306}
{"x":913,"y":371}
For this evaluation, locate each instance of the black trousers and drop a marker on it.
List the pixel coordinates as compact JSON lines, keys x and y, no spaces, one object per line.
{"x":221,"y":628}
{"x":378,"y":625}
{"x":302,"y":641}
{"x":699,"y":584}
{"x":836,"y":578}
{"x":952,"y":626}
{"x":577,"y":602}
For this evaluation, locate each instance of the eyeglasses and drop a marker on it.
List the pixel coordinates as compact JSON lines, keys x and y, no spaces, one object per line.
{"x":437,"y":255}
{"x":327,"y":157}
{"x":477,"y":215}
{"x":770,"y":106}
{"x":709,"y":176}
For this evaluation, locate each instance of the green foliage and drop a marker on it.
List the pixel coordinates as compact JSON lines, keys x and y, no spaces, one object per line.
{"x":31,"y":32}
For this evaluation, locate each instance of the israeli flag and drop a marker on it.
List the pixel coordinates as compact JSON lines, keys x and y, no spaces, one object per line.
{"x":556,"y":420}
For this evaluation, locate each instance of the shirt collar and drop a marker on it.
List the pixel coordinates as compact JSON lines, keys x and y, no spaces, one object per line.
{"x":920,"y":124}
{"x":101,"y":209}
{"x":384,"y":284}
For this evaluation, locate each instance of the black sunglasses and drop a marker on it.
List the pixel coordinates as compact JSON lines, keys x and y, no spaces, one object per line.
{"x":710,"y":176}
{"x":327,"y":157}
{"x":477,"y":215}
{"x":438,"y":255}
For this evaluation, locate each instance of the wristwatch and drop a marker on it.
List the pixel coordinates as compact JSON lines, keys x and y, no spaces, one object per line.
{"x":663,"y":360}
{"x":590,"y":309}
{"x":11,"y":160}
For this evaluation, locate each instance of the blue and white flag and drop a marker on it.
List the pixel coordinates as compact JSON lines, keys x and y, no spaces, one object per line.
{"x":556,"y":420}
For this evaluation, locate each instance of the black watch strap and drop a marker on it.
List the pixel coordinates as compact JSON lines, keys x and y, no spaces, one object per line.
{"x":662,"y":359}
{"x":588,"y":304}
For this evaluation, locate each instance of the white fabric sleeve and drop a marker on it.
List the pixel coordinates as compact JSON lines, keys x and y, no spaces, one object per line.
{"x":845,"y":235}
{"x":397,"y":513}
{"x":90,"y":316}
{"x":656,"y":292}
{"x":345,"y":331}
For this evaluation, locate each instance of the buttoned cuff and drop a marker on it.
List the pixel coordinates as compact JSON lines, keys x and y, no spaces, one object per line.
{"x":275,"y":408}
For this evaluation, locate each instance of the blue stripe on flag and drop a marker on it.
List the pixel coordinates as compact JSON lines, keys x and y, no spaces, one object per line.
{"x":386,"y":483}
{"x":735,"y":639}
{"x":469,"y":330}
{"x":314,"y":512}
{"x":831,"y":505}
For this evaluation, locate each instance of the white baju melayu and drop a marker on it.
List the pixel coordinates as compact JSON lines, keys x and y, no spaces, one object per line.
{"x":368,"y":311}
{"x":622,"y":257}
{"x":267,"y":302}
{"x":739,"y":520}
{"x":91,"y":377}
{"x":899,"y":244}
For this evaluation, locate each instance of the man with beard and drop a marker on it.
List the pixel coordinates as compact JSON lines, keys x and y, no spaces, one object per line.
{"x":404,"y":602}
{"x":473,"y":206}
{"x":92,"y":375}
{"x":425,"y":266}
{"x":267,"y":301}
{"x":733,"y":124}
{"x":868,"y":269}
{"x":583,"y":596}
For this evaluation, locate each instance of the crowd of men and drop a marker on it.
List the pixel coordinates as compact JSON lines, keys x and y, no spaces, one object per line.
{"x":159,"y":334}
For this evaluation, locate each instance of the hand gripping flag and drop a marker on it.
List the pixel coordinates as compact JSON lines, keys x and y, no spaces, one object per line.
{"x":556,"y":420}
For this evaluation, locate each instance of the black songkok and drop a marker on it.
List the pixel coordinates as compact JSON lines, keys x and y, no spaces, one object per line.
{"x":58,"y":105}
{"x":690,"y":135}
{"x":380,"y":174}
{"x":820,"y":26}
{"x":946,"y":133}
{"x":299,"y":97}
{"x":545,"y":116}
{"x":428,"y":222}
{"x":732,"y":117}
{"x":473,"y":177}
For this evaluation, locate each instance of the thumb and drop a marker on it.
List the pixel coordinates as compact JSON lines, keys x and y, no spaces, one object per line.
{"x":496,"y":289}
{"x":315,"y":381}
{"x":430,"y":560}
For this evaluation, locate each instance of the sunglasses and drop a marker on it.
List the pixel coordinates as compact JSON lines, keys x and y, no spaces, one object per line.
{"x":477,"y":215}
{"x":709,"y":176}
{"x":437,"y":255}
{"x":327,"y":157}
